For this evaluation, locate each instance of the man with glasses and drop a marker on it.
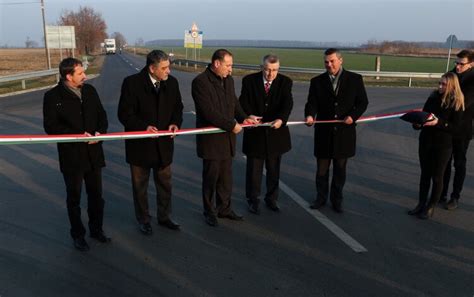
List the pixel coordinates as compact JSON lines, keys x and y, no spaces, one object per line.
{"x":266,"y":94}
{"x":462,"y":137}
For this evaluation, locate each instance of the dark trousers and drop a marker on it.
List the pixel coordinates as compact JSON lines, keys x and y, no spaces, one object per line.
{"x":433,"y":164}
{"x":95,"y":204}
{"x":460,"y":147}
{"x":162,"y":180}
{"x":217,"y":180}
{"x":337,"y":183}
{"x":254,"y":174}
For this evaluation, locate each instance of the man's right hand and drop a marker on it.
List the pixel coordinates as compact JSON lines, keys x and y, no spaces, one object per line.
{"x":237,"y":128}
{"x":152,"y":129}
{"x":309,"y":121}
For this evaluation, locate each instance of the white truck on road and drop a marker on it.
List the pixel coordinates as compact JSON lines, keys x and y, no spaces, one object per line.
{"x":110,"y":47}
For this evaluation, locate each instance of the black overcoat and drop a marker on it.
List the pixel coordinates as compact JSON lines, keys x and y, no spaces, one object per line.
{"x":336,"y":140}
{"x":465,"y":129}
{"x":440,"y":136}
{"x":140,"y":107}
{"x":64,"y":113}
{"x":262,"y":142}
{"x":218,"y":106}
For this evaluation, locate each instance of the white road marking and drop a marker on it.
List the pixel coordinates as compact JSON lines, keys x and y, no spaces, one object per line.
{"x":324,"y":220}
{"x":320,"y":217}
{"x":336,"y":230}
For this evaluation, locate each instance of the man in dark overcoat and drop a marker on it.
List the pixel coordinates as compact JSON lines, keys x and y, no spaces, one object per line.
{"x":462,"y":137}
{"x":217,"y":105}
{"x":337,"y":94}
{"x":150,"y":100}
{"x":73,"y":107}
{"x":267,"y":95}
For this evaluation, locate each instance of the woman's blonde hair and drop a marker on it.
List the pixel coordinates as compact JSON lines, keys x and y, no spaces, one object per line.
{"x":453,"y":96}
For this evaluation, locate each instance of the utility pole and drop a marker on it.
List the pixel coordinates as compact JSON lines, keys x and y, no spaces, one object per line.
{"x":45,"y":39}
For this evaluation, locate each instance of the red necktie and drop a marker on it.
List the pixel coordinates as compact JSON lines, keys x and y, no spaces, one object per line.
{"x":267,"y":87}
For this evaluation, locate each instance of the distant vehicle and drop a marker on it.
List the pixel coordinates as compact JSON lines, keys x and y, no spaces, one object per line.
{"x":109,"y":45}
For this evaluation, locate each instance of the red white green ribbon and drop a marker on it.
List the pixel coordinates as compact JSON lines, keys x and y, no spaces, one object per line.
{"x":40,"y":138}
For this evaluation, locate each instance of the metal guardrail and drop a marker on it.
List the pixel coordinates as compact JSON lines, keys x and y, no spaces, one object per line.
{"x":408,"y":75}
{"x":29,"y":75}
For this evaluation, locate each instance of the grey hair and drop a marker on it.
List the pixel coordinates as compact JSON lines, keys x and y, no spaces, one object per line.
{"x":270,"y":59}
{"x":155,"y":57}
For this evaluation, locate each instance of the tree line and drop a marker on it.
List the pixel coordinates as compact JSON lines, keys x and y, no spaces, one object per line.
{"x":90,"y":28}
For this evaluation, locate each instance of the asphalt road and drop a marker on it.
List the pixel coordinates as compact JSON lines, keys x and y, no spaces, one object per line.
{"x":286,"y":254}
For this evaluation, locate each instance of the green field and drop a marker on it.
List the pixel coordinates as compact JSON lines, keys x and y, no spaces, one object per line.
{"x":309,"y":58}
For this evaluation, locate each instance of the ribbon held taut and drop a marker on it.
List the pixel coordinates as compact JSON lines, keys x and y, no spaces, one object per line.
{"x":41,"y":138}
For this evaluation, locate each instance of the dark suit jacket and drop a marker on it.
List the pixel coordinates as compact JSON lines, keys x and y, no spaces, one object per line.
{"x":336,"y":140}
{"x":63,"y":113}
{"x":264,"y":141}
{"x":140,"y":107}
{"x":449,"y":121}
{"x":218,"y":106}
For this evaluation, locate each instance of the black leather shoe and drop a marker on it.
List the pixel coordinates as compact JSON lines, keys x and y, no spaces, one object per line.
{"x":232,"y":216}
{"x":272,"y":205}
{"x":426,"y":213}
{"x":101,"y":237}
{"x":317,"y":204}
{"x":417,"y":210}
{"x":443,"y":199}
{"x":452,"y":204}
{"x":81,"y":244}
{"x":211,"y":220}
{"x":146,"y":229}
{"x":337,"y":208}
{"x":169,"y":224}
{"x":253,"y":208}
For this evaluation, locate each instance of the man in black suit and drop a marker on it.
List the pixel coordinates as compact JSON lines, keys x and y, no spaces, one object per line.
{"x":73,"y":107}
{"x":151,"y":101}
{"x":462,"y":137}
{"x":266,"y":94}
{"x":337,"y":94}
{"x":217,"y":105}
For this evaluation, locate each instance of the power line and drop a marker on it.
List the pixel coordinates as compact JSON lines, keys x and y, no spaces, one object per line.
{"x":19,"y":3}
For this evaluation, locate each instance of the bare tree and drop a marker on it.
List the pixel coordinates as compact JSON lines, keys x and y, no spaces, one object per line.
{"x":120,"y":40}
{"x":29,"y":43}
{"x":89,"y":25}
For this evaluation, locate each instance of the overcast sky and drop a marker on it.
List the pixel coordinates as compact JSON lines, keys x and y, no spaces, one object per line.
{"x":345,"y":21}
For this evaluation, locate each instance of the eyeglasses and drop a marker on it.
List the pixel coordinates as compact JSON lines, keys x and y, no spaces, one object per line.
{"x":461,"y":64}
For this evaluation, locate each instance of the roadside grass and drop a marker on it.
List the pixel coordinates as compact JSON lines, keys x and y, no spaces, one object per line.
{"x":95,"y":66}
{"x":302,"y":77}
{"x":313,"y":58}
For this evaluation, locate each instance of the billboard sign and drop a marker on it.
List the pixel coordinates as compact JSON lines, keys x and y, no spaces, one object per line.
{"x":61,"y":37}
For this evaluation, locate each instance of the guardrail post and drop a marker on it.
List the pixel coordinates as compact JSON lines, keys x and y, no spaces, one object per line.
{"x":179,"y":63}
{"x":23,"y":84}
{"x":186,"y":64}
{"x":377,"y":66}
{"x":195,"y":66}
{"x":409,"y":82}
{"x":57,"y":77}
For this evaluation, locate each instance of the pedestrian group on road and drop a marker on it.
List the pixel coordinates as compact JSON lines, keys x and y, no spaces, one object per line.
{"x":151,"y":101}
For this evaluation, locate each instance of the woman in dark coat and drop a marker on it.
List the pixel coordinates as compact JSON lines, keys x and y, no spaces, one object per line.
{"x":446,"y":104}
